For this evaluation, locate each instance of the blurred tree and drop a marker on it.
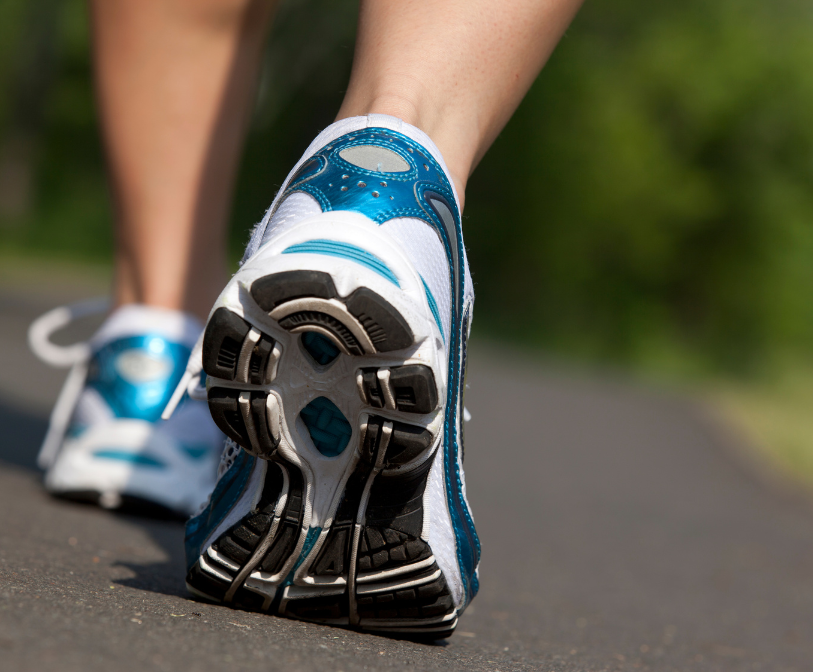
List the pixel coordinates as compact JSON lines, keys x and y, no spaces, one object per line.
{"x":30,"y":35}
{"x":650,"y":202}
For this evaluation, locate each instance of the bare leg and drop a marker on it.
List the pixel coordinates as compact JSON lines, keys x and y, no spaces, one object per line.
{"x":175,"y":80}
{"x":456,"y":69}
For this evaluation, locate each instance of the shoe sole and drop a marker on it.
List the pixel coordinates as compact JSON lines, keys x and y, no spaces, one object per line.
{"x":365,"y":564}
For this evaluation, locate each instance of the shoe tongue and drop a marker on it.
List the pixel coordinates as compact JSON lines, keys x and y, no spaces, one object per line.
{"x":139,"y":320}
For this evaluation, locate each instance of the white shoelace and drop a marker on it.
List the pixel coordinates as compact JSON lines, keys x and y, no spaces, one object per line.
{"x":75,"y":356}
{"x":190,"y":383}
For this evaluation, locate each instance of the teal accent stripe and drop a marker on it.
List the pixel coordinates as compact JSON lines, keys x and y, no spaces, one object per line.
{"x":307,"y":547}
{"x":132,"y":458}
{"x":327,"y":426}
{"x":310,"y":540}
{"x":333,"y":248}
{"x":195,"y":452}
{"x":433,"y":306}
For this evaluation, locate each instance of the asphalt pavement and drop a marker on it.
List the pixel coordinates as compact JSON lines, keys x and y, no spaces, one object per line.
{"x":620,"y":531}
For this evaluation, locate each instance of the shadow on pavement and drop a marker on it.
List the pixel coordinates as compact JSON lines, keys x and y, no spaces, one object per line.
{"x":166,"y":578}
{"x":21,"y":433}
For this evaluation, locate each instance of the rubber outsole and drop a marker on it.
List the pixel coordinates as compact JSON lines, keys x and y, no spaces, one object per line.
{"x":368,"y":568}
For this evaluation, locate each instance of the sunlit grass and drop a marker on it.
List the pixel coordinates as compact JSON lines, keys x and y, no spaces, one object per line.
{"x":775,"y":414}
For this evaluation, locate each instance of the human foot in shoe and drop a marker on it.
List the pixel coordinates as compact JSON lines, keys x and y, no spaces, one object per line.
{"x":335,"y":360}
{"x":106,"y":442}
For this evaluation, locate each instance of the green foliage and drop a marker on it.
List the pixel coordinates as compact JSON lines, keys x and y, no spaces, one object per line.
{"x":650,"y":202}
{"x":70,"y":212}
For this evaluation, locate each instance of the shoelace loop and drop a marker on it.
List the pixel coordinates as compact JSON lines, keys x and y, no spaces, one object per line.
{"x":41,"y":330}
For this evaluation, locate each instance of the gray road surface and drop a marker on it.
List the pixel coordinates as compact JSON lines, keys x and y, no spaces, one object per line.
{"x":618,"y":534}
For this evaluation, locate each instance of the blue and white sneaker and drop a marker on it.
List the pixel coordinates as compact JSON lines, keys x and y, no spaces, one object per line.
{"x":106,"y":442}
{"x":335,"y":360}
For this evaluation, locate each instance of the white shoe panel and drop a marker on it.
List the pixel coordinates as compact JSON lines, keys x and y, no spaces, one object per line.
{"x":173,"y":464}
{"x":440,"y":533}
{"x":290,"y":212}
{"x":425,"y":250}
{"x":137,"y":320}
{"x":91,"y":409}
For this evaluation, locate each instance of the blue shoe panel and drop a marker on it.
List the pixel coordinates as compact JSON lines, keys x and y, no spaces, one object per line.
{"x":321,"y":348}
{"x":137,"y":375}
{"x":195,"y":452}
{"x":327,"y":426}
{"x":136,"y":459}
{"x":225,"y":496}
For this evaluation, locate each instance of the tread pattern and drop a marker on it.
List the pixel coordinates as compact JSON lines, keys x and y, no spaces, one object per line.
{"x":375,"y":571}
{"x":409,"y":388}
{"x":386,"y":327}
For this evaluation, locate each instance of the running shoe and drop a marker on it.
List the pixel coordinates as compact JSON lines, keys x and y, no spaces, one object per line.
{"x":106,"y":442}
{"x":334,"y":362}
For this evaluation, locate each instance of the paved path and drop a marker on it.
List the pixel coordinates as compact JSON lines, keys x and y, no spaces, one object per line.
{"x":617,"y":535}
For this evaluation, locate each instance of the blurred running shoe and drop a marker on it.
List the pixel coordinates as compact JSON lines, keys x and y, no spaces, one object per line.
{"x":335,"y":363}
{"x":106,"y":442}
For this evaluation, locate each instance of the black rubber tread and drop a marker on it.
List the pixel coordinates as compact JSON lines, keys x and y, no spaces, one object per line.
{"x":259,"y":413}
{"x":240,"y":541}
{"x":371,"y":440}
{"x":290,"y":525}
{"x":247,"y":599}
{"x":307,"y":318}
{"x":225,"y":412}
{"x":206,"y":583}
{"x":329,"y":562}
{"x":413,"y":387}
{"x":275,"y":289}
{"x":372,"y":388}
{"x":222,"y":341}
{"x":426,"y":601}
{"x":329,"y":607}
{"x":335,"y":553}
{"x":259,"y":360}
{"x":397,"y":501}
{"x":382,"y":548}
{"x":405,"y":444}
{"x":387,"y":328}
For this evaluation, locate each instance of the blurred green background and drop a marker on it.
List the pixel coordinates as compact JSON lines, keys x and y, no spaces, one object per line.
{"x":649,"y":206}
